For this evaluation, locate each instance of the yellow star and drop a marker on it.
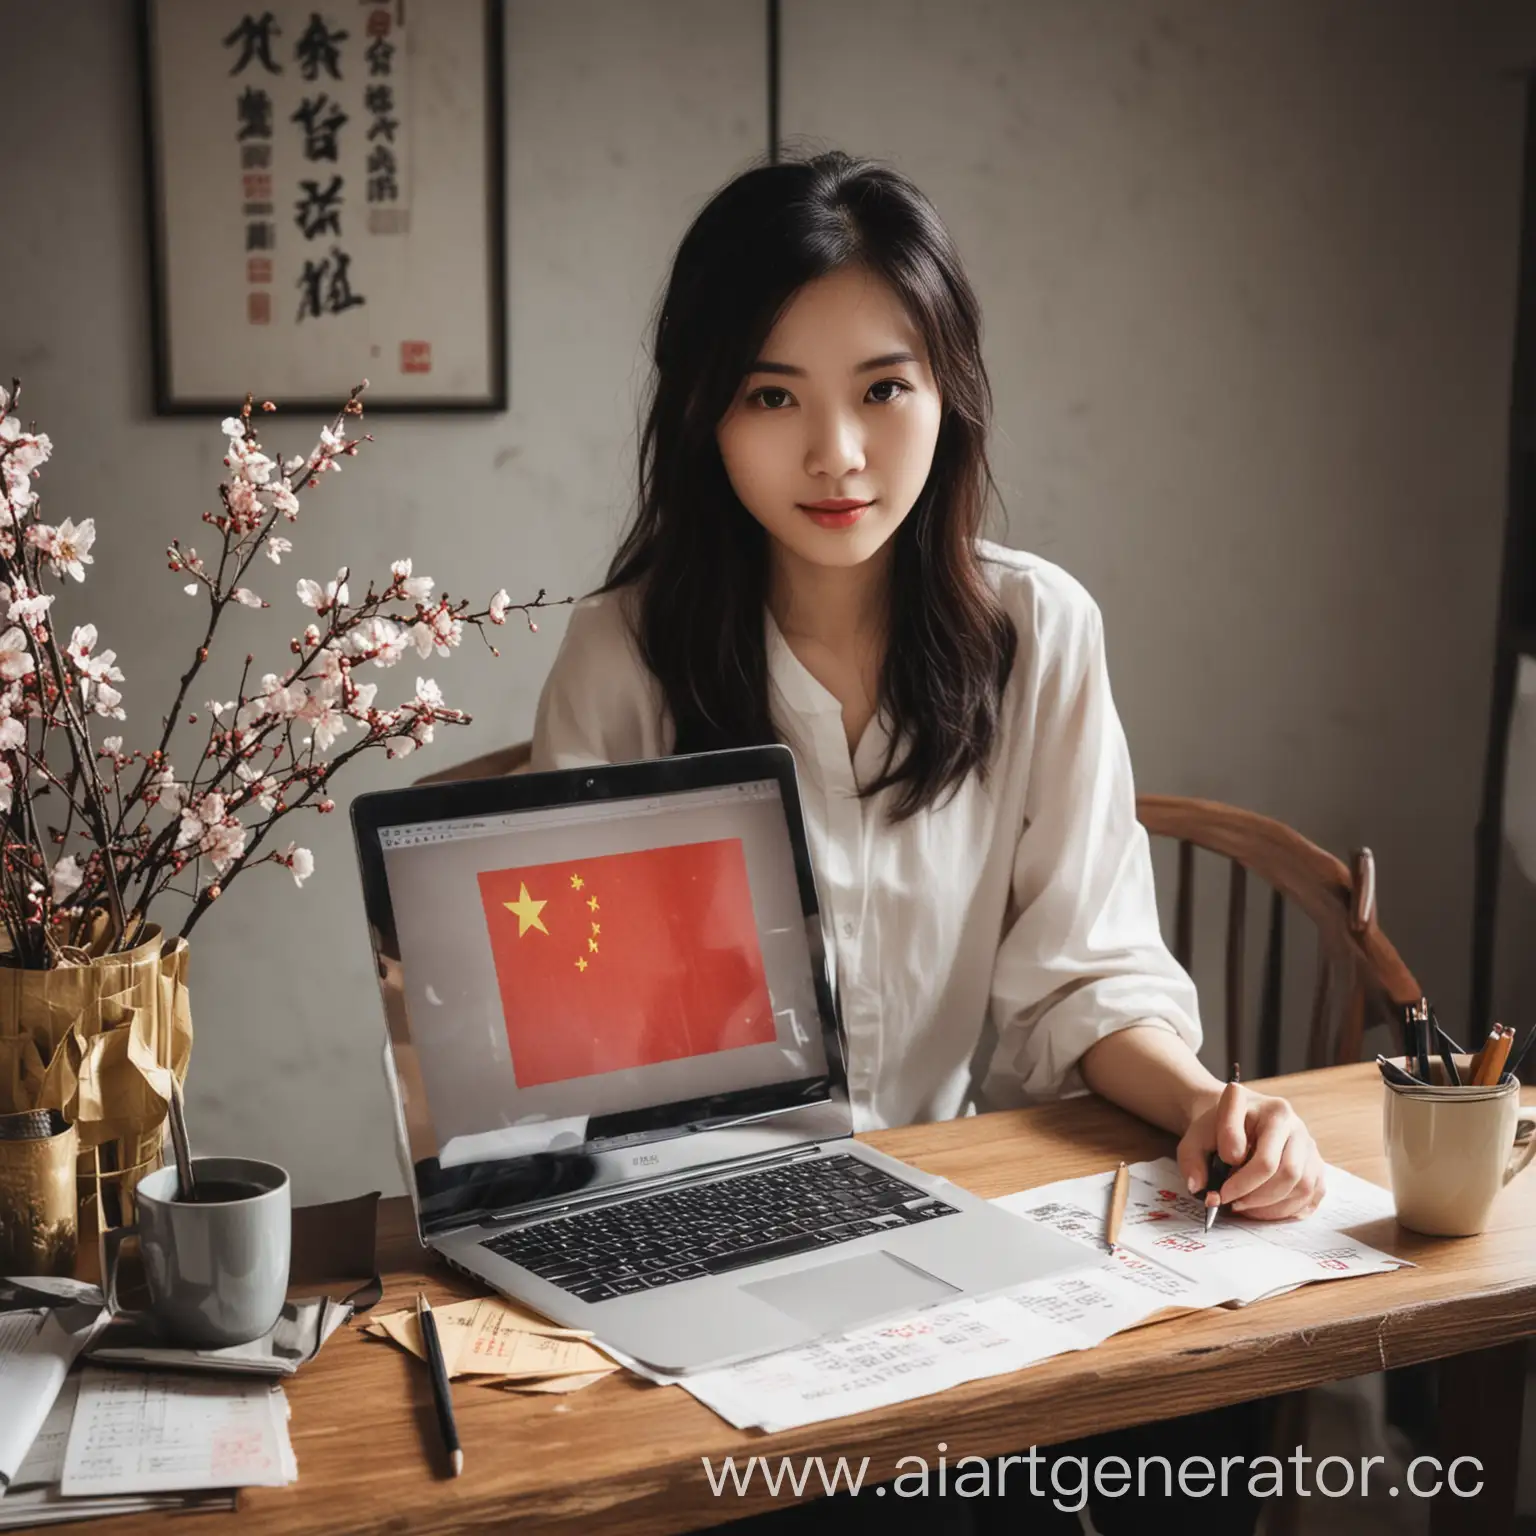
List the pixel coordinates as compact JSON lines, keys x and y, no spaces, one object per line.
{"x":592,"y":945}
{"x":592,"y":903}
{"x":527,"y":910}
{"x":577,"y":882}
{"x":597,"y":927}
{"x":581,"y":965}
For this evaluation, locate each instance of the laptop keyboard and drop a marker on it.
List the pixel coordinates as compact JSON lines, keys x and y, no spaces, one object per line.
{"x":708,"y":1229}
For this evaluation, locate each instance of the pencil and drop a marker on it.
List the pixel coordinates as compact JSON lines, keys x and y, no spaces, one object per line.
{"x":1480,"y":1056}
{"x":438,"y":1368}
{"x":1492,"y":1070}
{"x":1117,"y":1206}
{"x":1217,"y":1172}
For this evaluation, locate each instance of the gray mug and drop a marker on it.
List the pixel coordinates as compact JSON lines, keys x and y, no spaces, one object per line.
{"x":218,"y":1268}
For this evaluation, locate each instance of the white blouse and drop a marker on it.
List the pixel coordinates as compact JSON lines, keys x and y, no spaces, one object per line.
{"x":981,"y":945}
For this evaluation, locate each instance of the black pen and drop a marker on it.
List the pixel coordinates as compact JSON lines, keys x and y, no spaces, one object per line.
{"x":1217,"y":1172}
{"x":439,"y":1369}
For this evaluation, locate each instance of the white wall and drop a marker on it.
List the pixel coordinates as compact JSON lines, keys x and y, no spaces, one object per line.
{"x":1248,"y":278}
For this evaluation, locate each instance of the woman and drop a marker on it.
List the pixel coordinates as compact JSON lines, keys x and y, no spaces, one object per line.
{"x":806,"y":565}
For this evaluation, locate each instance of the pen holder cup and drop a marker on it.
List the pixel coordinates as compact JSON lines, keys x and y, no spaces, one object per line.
{"x":1451,"y":1150}
{"x":38,"y":1221}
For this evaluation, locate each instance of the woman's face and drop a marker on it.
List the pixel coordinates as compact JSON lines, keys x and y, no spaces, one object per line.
{"x":830,"y":438}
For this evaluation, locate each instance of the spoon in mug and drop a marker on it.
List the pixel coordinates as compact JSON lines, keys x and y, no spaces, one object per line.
{"x":186,"y":1180}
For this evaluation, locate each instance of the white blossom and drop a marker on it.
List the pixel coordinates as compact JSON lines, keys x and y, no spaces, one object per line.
{"x":163,"y":787}
{"x":5,"y":785}
{"x":247,"y":597}
{"x":223,"y":843}
{"x":30,"y":607}
{"x":417,"y":588}
{"x":233,"y":427}
{"x":13,"y":733}
{"x":300,"y":860}
{"x":191,"y":589}
{"x":112,"y":744}
{"x":284,"y":501}
{"x":499,"y":605}
{"x":67,"y":876}
{"x":311,"y":594}
{"x":277,"y":548}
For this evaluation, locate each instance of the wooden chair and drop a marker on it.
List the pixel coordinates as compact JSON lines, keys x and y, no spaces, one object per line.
{"x":489,"y":765}
{"x":1360,"y":978}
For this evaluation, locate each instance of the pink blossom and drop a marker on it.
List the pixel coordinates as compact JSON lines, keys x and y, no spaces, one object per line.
{"x":15,"y":659}
{"x":499,"y":605}
{"x":261,"y":787}
{"x":377,"y":639}
{"x":13,"y":733}
{"x":324,"y":718}
{"x":197,"y":820}
{"x":284,"y":501}
{"x":6,"y":781}
{"x":428,"y":694}
{"x":223,"y":843}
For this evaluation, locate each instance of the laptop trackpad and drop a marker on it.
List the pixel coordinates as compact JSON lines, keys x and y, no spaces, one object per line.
{"x":837,"y":1295}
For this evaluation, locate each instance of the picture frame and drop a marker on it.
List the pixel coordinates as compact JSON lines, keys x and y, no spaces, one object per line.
{"x":326,"y":203}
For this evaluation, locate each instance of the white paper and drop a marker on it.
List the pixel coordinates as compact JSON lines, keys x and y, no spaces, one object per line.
{"x":149,"y":1431}
{"x":1164,"y":1260}
{"x":36,"y":1352}
{"x":44,"y":1462}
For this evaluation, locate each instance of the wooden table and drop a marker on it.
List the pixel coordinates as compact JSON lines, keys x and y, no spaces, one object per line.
{"x":624,"y":1456}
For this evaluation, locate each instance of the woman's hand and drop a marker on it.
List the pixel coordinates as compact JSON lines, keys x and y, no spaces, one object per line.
{"x":1281,"y":1172}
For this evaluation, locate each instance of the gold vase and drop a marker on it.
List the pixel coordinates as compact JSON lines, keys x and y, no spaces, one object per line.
{"x":99,"y":1038}
{"x":38,"y":1225}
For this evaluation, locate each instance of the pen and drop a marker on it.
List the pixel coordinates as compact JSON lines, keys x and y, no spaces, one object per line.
{"x":1117,"y":1206}
{"x":1217,"y":1173}
{"x":1513,"y":1065}
{"x":439,"y":1371}
{"x":1395,"y":1074}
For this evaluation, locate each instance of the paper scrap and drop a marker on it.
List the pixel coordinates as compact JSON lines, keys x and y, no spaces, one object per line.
{"x":490,"y":1336}
{"x":36,"y":1352}
{"x":154,"y":1432}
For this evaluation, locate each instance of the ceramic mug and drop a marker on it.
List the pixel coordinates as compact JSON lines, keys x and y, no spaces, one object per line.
{"x":217,"y":1267}
{"x":1451,"y":1150}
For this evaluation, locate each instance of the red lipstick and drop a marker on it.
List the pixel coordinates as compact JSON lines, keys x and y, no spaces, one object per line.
{"x":835,"y":511}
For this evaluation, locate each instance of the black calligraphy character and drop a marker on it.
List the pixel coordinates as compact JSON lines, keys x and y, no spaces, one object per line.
{"x":254,"y":110}
{"x":260,"y":237}
{"x":319,"y":212}
{"x":317,"y":49}
{"x":379,"y":55}
{"x":383,"y":128}
{"x":254,"y":39}
{"x":382,"y":185}
{"x":379,"y":98}
{"x":321,"y":118}
{"x":326,"y":288}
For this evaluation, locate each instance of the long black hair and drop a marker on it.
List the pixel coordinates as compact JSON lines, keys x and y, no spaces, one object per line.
{"x":699,"y":560}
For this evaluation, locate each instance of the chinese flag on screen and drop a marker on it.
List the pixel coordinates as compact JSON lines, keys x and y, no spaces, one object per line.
{"x":626,"y":960}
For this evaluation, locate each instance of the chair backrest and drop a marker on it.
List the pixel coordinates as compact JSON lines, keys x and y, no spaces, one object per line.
{"x":489,"y":765}
{"x":1360,"y":977}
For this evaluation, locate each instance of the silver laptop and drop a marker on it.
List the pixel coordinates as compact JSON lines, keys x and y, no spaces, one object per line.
{"x":616,"y":1060}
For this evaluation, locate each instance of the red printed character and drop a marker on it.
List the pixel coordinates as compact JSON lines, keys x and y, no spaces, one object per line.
{"x":258,"y":308}
{"x":415,"y":357}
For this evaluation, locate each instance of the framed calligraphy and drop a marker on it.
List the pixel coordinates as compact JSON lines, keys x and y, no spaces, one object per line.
{"x":327,"y":202}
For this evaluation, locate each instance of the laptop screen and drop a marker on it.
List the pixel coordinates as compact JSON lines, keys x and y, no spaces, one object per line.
{"x":588,"y":975}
